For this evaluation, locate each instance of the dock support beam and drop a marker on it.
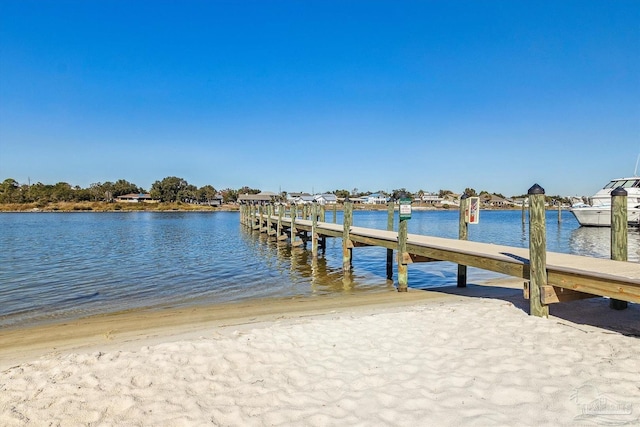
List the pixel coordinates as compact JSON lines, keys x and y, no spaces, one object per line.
{"x":390,"y":215}
{"x":347,"y":245}
{"x":619,"y":234}
{"x":463,"y":234}
{"x":537,"y":251}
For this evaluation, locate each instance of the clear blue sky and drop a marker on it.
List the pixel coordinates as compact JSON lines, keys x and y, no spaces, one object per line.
{"x":322,"y":95}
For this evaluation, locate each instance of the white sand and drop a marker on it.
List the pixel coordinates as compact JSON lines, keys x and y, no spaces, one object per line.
{"x":470,"y":361}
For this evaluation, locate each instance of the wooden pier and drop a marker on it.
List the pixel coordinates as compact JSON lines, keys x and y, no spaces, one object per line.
{"x":548,"y":277}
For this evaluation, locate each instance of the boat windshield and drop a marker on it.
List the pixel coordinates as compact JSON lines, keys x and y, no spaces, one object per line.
{"x":624,"y":183}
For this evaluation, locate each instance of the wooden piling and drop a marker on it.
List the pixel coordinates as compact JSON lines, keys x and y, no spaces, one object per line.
{"x":294,"y":232}
{"x":559,"y":211}
{"x":463,"y":234}
{"x":524,"y":215}
{"x":537,"y":251}
{"x":619,"y":234}
{"x":403,"y":270}
{"x":347,"y":245}
{"x":314,"y":233}
{"x":390,"y":216}
{"x":261,"y":222}
{"x":335,"y":209}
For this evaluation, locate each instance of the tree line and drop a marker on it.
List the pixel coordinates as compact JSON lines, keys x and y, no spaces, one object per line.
{"x":175,"y":189}
{"x":169,"y":189}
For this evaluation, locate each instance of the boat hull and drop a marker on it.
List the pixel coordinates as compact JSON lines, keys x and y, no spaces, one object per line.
{"x":600,"y":216}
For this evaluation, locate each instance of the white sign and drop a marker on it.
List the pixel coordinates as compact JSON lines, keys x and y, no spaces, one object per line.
{"x":405,"y":209}
{"x":472,"y":213}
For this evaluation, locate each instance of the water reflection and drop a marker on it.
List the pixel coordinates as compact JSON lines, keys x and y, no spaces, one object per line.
{"x":309,"y":275}
{"x":596,"y":242}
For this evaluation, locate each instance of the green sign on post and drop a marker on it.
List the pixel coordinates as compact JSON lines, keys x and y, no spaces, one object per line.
{"x":405,"y":209}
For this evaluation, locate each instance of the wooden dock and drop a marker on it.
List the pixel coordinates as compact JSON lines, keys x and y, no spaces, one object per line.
{"x":567,"y":277}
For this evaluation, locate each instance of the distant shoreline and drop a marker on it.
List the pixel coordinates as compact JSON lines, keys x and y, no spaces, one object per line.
{"x":175,"y":207}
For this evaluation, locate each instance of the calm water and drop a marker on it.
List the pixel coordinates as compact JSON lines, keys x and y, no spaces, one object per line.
{"x":66,"y":265}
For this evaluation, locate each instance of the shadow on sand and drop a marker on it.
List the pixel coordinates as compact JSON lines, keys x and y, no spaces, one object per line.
{"x":592,"y":312}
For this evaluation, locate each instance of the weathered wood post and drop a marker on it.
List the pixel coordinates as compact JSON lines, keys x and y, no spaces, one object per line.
{"x":335,"y":209}
{"x":280,"y":213}
{"x":323,"y":218}
{"x":292,"y":230}
{"x":524,"y":215}
{"x":463,"y":234}
{"x":559,"y":211}
{"x":347,"y":245}
{"x":619,"y":234}
{"x":390,"y":215}
{"x":314,"y":225}
{"x":245,"y":210}
{"x":261,"y":228}
{"x":269,"y":220}
{"x":404,"y":210}
{"x":537,"y":251}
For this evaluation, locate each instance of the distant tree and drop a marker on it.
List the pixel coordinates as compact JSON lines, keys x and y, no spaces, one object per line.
{"x":169,"y":189}
{"x":26,"y":194}
{"x":9,"y":191}
{"x":81,"y":194}
{"x":499,"y":195}
{"x":401,"y":192}
{"x":341,"y":194}
{"x":557,"y":199}
{"x":229,"y":195}
{"x":470,"y":192}
{"x":247,"y":190}
{"x":62,"y":192}
{"x":122,"y":187}
{"x":188,"y":194}
{"x":96,"y":191}
{"x":443,"y":193}
{"x":206,"y":194}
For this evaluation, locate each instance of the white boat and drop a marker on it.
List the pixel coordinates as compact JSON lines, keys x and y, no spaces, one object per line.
{"x":598,"y":212}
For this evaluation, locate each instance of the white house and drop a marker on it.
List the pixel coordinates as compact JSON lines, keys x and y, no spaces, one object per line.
{"x":326,"y":199}
{"x":375,"y":199}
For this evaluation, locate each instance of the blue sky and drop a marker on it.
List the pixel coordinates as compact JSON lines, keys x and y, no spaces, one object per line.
{"x":322,"y":95}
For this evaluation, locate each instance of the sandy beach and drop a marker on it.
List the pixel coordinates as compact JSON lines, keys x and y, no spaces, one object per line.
{"x":421,"y":358}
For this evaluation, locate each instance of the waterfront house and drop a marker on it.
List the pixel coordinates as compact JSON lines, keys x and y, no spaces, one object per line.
{"x":135,"y":198}
{"x":326,"y":199}
{"x":375,"y":199}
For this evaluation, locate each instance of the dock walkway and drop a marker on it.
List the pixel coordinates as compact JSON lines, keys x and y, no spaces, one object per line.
{"x":548,"y":277}
{"x":596,"y":276}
